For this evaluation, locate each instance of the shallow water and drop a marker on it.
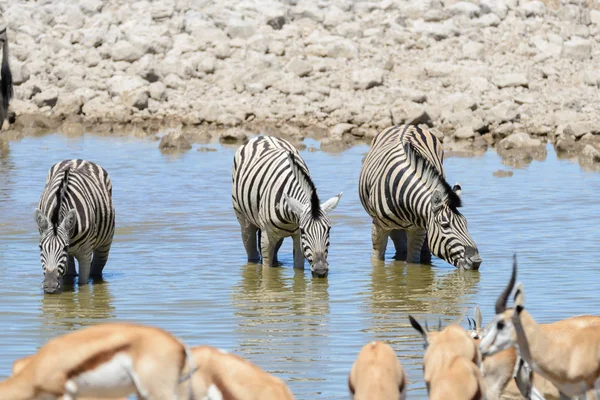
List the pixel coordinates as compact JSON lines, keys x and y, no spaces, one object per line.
{"x":178,"y":262}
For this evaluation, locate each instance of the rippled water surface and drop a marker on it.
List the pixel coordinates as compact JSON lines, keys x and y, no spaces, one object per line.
{"x":178,"y":262}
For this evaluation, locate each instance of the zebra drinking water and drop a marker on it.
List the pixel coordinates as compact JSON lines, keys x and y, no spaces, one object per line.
{"x":76,"y":219}
{"x":6,"y":83}
{"x":274,"y":197}
{"x":403,"y":188}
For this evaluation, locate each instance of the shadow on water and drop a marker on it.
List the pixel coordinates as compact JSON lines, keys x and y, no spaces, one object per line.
{"x":283,"y":314}
{"x":76,"y":307}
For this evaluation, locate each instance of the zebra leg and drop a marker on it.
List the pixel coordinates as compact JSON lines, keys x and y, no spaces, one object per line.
{"x":267,"y":247}
{"x":380,"y":238}
{"x":414,"y":242}
{"x":398,"y":236}
{"x":85,"y":262}
{"x":250,"y":233}
{"x":71,"y":271}
{"x":99,"y":260}
{"x":277,"y":247}
{"x":298,"y":253}
{"x":425,"y":252}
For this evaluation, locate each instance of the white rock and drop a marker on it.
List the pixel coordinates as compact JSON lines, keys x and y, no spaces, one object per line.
{"x":137,"y":98}
{"x":68,"y":104}
{"x":510,"y":80}
{"x":438,"y":31}
{"x":125,"y":51}
{"x":255,"y":87}
{"x":367,"y":78}
{"x":473,"y":50}
{"x":239,"y":28}
{"x":307,"y":10}
{"x":595,"y":16}
{"x":464,"y":132}
{"x":222,"y":50}
{"x":577,"y":48}
{"x":589,"y":155}
{"x":299,"y":67}
{"x":207,"y":64}
{"x":20,"y":72}
{"x":91,"y":7}
{"x":460,"y":101}
{"x":122,"y":83}
{"x":174,"y":141}
{"x":162,"y":10}
{"x":157,"y":90}
{"x":533,"y":8}
{"x":48,"y":97}
{"x":487,"y":20}
{"x":519,"y":140}
{"x":465,"y":8}
{"x":498,"y":7}
{"x":339,"y":129}
{"x":184,"y":43}
{"x":342,"y":48}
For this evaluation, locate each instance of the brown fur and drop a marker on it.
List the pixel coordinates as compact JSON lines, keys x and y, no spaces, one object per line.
{"x":377,"y":374}
{"x":157,"y":357}
{"x":235,"y":377}
{"x":451,"y":365}
{"x":498,"y":369}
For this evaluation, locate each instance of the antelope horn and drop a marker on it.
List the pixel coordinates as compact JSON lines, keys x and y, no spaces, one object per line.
{"x":501,"y":302}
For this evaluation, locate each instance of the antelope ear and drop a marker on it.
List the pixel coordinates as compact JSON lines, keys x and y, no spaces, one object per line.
{"x":69,"y":221}
{"x":457,"y":189}
{"x":519,"y":298}
{"x":478,"y":317}
{"x":458,"y":319}
{"x":437,"y":201}
{"x":331,"y":204}
{"x":418,"y":328}
{"x":294,"y":205}
{"x":42,"y":221}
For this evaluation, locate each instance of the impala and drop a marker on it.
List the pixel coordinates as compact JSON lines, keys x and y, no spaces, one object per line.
{"x":568,"y":354}
{"x":377,"y":374}
{"x":451,"y":363}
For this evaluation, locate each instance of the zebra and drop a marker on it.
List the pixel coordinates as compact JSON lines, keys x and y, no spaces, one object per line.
{"x":273,"y":198}
{"x":402,"y":187}
{"x":76,"y":219}
{"x":6,"y":82}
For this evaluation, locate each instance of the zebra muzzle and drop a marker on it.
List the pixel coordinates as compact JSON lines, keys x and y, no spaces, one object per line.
{"x":320,"y":267}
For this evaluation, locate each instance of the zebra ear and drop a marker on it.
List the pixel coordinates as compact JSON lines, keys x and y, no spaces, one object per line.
{"x":42,"y":221}
{"x":332,"y":203}
{"x":294,"y":205}
{"x":68,"y":222}
{"x":437,"y":201}
{"x":457,"y":189}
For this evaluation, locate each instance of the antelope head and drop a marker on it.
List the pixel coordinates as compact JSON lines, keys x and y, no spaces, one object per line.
{"x":500,"y":333}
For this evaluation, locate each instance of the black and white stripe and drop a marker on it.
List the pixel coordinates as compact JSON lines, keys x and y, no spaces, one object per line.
{"x":274,"y":197}
{"x":403,"y":188}
{"x":6,"y":82}
{"x":76,"y":219}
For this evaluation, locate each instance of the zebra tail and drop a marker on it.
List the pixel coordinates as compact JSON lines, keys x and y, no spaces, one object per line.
{"x":6,"y":81}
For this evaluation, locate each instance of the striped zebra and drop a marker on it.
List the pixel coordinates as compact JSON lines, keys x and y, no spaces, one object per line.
{"x":403,"y":188}
{"x":273,"y":198}
{"x":76,"y":219}
{"x":6,"y":83}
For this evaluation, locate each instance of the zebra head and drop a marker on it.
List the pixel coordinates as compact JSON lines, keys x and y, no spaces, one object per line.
{"x":313,"y":222}
{"x":314,"y":230}
{"x":54,"y":248}
{"x":447,"y":229}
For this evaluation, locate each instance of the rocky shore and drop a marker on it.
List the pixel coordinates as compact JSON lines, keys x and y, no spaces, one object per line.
{"x":512,"y":74}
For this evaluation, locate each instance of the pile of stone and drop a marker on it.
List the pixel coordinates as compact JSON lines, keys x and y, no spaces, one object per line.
{"x":477,"y":72}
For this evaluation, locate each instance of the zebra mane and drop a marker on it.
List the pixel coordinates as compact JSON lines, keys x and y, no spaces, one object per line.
{"x":315,"y":204}
{"x":431,"y":173}
{"x":60,"y":195}
{"x":6,"y":81}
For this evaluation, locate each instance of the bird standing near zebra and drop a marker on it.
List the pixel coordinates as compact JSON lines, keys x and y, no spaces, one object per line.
{"x":274,"y":197}
{"x":402,"y":187}
{"x":6,"y":82}
{"x":76,"y":219}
